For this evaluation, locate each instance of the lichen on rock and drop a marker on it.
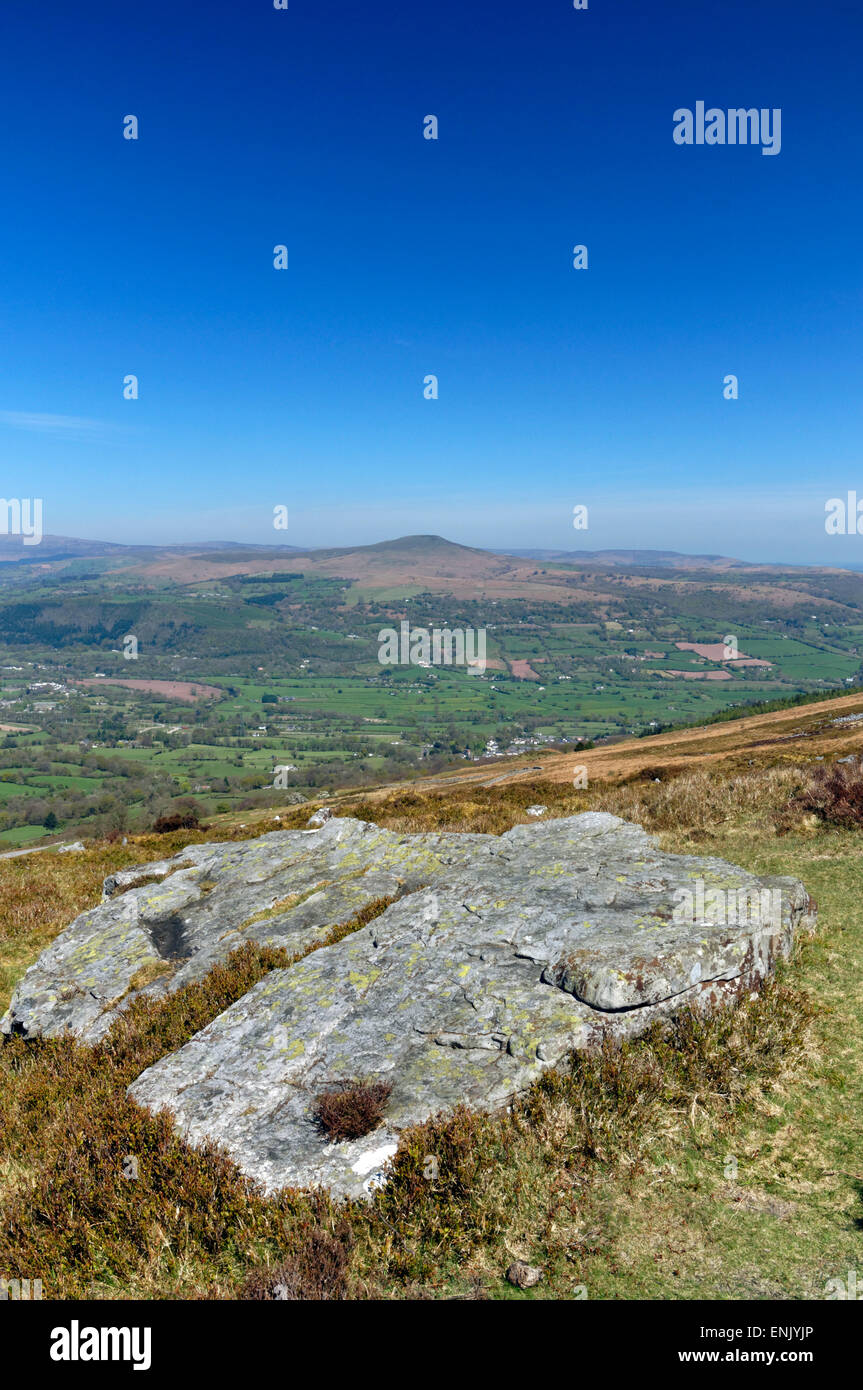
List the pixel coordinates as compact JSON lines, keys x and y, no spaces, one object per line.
{"x":500,"y":955}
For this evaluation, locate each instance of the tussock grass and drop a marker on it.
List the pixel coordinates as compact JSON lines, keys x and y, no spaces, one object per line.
{"x":701,"y":801}
{"x":695,"y":801}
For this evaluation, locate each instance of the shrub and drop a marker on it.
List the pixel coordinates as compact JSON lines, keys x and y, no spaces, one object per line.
{"x":658,"y":772}
{"x":179,"y":820}
{"x":443,"y":1194}
{"x":316,"y":1269}
{"x":834,"y":795}
{"x":351,"y":1109}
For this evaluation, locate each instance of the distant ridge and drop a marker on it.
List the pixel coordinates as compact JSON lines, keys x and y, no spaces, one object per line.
{"x":673,"y":559}
{"x":423,"y":561}
{"x":71,"y":547}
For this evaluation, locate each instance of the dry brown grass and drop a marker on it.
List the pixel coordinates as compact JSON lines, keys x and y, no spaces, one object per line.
{"x":695,"y":801}
{"x":702,"y":801}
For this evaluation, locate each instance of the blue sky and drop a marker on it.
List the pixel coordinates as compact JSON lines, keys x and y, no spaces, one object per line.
{"x":453,"y":257}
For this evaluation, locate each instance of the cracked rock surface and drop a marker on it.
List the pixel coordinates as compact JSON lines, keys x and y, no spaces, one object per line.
{"x":501,"y":955}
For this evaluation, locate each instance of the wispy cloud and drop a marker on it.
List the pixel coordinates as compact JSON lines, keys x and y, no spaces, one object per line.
{"x":61,"y":426}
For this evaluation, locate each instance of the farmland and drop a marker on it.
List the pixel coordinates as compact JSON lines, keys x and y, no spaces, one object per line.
{"x":253,"y":678}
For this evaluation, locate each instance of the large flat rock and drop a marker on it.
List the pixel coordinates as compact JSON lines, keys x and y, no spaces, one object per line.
{"x":183,"y":915}
{"x":501,"y":955}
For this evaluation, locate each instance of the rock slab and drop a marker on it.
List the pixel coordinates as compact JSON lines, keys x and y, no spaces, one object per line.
{"x":500,"y":955}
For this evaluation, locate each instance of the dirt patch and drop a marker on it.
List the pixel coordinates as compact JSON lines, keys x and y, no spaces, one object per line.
{"x":523,"y":671}
{"x":717,"y":651}
{"x":760,"y":1203}
{"x":189,"y":691}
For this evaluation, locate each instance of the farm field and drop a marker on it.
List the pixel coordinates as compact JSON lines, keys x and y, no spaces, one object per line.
{"x":255,"y":679}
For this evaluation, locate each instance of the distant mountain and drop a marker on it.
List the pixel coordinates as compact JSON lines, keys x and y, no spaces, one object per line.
{"x":670,"y":559}
{"x":407,"y":560}
{"x":56,"y":548}
{"x":433,"y":547}
{"x":411,"y":564}
{"x":424,"y":551}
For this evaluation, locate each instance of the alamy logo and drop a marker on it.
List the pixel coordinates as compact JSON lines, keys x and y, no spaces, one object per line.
{"x":420,"y":646}
{"x":21,"y":517}
{"x":20,"y":1290}
{"x":744,"y":907}
{"x":76,"y":1343}
{"x":843,"y":1289}
{"x":844,"y":517}
{"x":738,"y":126}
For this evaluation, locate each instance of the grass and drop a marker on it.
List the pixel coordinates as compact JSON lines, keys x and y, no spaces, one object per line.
{"x":20,"y":836}
{"x":764,"y":1201}
{"x":712,"y":1158}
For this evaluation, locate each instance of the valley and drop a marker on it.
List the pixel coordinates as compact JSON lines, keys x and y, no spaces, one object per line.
{"x":259,"y":678}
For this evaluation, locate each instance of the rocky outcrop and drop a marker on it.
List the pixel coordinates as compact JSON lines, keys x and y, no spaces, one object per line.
{"x":500,"y":955}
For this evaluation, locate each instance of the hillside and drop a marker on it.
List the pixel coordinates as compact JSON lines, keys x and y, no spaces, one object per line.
{"x":410,"y":564}
{"x":818,"y":731}
{"x":714,"y":1161}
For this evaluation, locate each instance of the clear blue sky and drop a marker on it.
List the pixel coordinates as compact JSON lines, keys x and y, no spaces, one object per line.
{"x":409,"y":257}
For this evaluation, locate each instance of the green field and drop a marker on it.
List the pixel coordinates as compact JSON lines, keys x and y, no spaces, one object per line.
{"x":296,"y":659}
